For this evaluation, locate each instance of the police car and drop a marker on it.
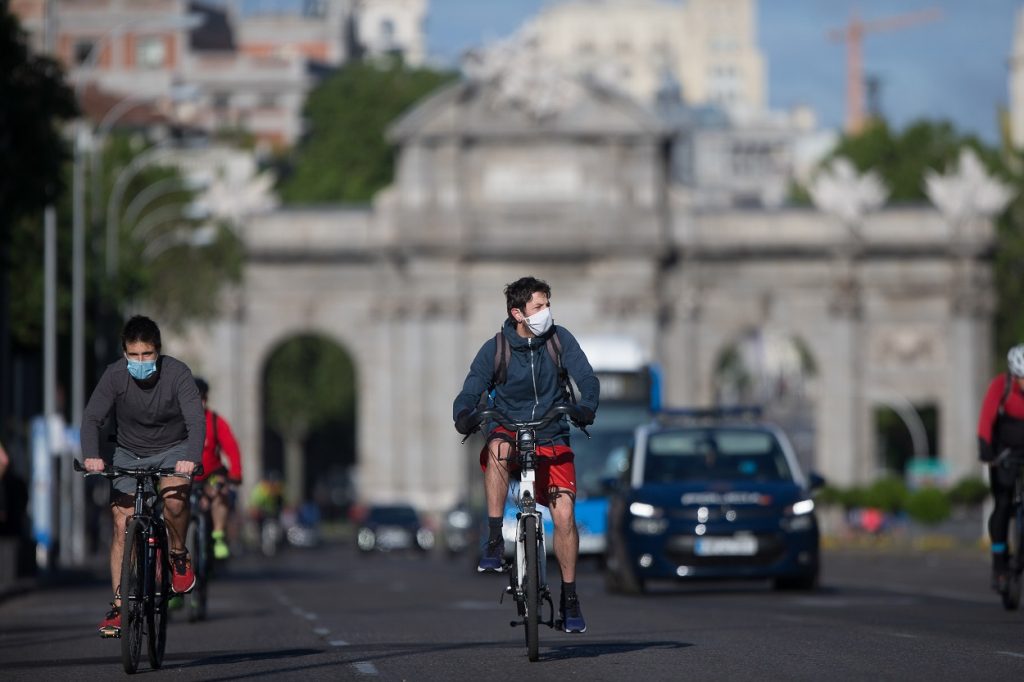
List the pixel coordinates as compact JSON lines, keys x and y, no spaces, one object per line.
{"x":712,"y":494}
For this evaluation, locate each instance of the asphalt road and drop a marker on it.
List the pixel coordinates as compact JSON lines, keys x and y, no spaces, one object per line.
{"x":328,"y":614}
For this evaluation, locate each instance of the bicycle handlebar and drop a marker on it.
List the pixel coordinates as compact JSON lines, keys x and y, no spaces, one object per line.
{"x":113,"y":471}
{"x":502,"y":419}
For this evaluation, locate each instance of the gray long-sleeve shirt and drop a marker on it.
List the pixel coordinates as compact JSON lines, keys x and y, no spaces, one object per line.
{"x":150,"y":419}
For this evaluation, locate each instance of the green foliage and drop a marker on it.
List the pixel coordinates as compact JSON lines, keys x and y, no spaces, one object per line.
{"x":345,"y":157}
{"x":888,"y":494}
{"x":970,"y":491}
{"x":34,"y":99}
{"x":309,"y":383}
{"x":829,"y":495}
{"x":928,"y":505}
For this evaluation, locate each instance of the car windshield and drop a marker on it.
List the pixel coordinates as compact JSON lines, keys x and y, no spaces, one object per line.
{"x":393,"y":515}
{"x":715,"y":454}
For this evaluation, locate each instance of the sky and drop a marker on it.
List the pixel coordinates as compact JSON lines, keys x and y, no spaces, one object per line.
{"x":951,"y":69}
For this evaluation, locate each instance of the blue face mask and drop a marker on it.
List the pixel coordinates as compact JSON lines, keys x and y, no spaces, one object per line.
{"x":141,"y":370}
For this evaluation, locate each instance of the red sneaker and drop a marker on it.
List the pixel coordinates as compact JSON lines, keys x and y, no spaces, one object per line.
{"x":183,"y":578}
{"x":110,"y":626}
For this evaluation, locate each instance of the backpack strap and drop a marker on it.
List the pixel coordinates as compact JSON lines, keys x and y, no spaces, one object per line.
{"x":1007,"y":389}
{"x":554,"y":346}
{"x":502,"y":354}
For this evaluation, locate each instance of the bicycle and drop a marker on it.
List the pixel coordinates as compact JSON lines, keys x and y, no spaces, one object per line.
{"x":528,"y":572}
{"x":1011,"y":597}
{"x":145,"y":568}
{"x":199,"y":543}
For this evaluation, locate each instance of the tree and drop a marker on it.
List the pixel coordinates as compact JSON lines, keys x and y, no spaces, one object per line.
{"x":345,"y":156}
{"x":34,"y":100}
{"x":310,"y":383}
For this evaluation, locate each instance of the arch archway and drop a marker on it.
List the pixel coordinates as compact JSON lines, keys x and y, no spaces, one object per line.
{"x":309,"y":419}
{"x":776,"y":370}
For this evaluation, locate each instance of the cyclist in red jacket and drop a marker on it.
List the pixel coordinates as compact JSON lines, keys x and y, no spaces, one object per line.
{"x":1001,"y":428}
{"x":222,"y":467}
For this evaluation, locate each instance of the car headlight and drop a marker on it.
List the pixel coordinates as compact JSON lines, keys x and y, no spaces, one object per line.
{"x":644,"y":510}
{"x":425,"y":538}
{"x":802,"y":507}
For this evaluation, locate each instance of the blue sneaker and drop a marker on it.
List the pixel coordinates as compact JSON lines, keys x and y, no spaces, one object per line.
{"x":493,"y":557}
{"x":572,"y":616}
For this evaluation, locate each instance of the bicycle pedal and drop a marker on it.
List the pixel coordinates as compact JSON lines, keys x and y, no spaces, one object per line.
{"x":110,"y":633}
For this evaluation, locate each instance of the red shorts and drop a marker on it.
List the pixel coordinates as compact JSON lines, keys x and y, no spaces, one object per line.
{"x":555,"y":467}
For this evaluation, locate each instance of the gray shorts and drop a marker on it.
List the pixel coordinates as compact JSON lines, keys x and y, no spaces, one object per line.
{"x":126,"y":459}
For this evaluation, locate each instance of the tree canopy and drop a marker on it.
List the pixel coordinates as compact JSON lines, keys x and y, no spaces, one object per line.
{"x":345,"y":156}
{"x":310,"y":382}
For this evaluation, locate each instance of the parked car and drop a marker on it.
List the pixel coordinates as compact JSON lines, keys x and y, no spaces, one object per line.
{"x":393,"y":527}
{"x":712,"y":494}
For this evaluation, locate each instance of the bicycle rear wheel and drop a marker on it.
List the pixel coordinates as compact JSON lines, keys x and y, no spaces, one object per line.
{"x":157,"y":613}
{"x":532,"y":585}
{"x":133,"y":595}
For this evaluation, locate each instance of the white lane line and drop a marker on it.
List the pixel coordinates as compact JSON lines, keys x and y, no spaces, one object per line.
{"x":1010,"y":653}
{"x":321,"y":631}
{"x":338,"y":642}
{"x":311,"y":616}
{"x":297,"y":611}
{"x":364,"y":668}
{"x":905,"y":635}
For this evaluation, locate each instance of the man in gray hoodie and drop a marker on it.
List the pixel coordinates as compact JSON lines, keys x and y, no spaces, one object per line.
{"x":155,"y":404}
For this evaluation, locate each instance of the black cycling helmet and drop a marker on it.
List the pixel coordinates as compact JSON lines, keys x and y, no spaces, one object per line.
{"x":204,"y":388}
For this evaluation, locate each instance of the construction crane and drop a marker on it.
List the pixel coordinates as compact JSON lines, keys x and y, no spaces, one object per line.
{"x":853,"y":35}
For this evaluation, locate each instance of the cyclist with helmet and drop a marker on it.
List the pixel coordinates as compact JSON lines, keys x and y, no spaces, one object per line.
{"x":222,"y":470}
{"x":1001,"y":428}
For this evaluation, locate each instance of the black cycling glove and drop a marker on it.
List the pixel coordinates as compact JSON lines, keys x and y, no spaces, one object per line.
{"x":582,"y":416}
{"x":467,"y":422}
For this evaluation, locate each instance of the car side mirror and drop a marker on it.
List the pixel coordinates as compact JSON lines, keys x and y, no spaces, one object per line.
{"x":815,"y":481}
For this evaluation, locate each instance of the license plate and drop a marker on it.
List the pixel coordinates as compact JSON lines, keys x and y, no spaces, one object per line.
{"x":743,"y":546}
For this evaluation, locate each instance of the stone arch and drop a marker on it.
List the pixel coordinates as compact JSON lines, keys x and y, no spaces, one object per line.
{"x":319,"y":464}
{"x":775,"y":368}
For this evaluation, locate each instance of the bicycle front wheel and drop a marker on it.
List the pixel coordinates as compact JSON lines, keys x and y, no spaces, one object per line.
{"x":133,"y":595}
{"x":532,"y":585}
{"x":157,"y":612}
{"x":195,"y":542}
{"x":1011,"y":598}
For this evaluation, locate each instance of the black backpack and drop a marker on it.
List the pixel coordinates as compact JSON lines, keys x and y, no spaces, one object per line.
{"x":503,"y":352}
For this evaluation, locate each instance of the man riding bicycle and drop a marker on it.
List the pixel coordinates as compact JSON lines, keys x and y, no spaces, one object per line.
{"x":532,"y":384}
{"x":159,"y":418}
{"x":1001,"y":428}
{"x":218,"y":475}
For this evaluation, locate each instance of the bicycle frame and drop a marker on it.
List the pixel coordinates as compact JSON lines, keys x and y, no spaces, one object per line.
{"x":526,"y":451}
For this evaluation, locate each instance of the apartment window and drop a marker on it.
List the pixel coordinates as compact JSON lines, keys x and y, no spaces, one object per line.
{"x":83,"y":51}
{"x":150,"y":52}
{"x":387,"y":31}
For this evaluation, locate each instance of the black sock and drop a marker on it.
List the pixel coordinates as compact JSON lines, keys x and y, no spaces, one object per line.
{"x":568,"y":590}
{"x":494,"y":528}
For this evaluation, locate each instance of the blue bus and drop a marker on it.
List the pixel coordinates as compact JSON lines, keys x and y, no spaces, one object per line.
{"x":630,"y":393}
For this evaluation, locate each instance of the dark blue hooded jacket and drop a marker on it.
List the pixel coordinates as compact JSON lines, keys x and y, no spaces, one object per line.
{"x":531,"y":386}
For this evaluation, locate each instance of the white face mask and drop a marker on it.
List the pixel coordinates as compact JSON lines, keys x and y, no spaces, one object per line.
{"x":539,"y":322}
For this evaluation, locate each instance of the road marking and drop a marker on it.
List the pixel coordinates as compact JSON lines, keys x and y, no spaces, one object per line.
{"x":321,"y":631}
{"x":310,"y":616}
{"x":365,"y":668}
{"x":298,"y":611}
{"x":1010,"y":653}
{"x":338,"y":642}
{"x":905,"y":635}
